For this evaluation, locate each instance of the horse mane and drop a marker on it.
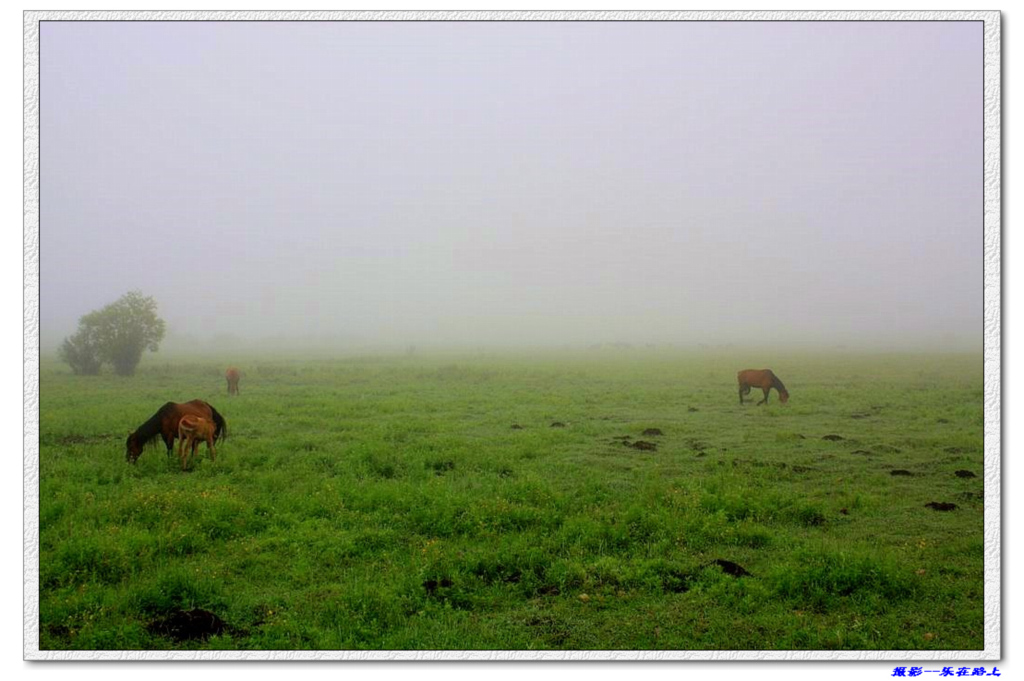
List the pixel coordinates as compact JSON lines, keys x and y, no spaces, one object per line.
{"x":777,"y":384}
{"x":153,"y":427}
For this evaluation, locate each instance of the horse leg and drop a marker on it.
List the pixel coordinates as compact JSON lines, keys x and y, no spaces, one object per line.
{"x":209,"y":446}
{"x":765,"y":400}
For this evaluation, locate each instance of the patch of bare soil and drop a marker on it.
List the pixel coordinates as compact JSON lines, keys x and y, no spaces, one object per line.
{"x":731,"y":568}
{"x":431,"y":584}
{"x":188,"y":625}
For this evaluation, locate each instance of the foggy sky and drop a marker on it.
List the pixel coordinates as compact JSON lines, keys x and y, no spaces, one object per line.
{"x":503,"y":183}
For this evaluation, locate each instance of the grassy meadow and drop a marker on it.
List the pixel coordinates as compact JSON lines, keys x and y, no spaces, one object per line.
{"x":390,"y":503}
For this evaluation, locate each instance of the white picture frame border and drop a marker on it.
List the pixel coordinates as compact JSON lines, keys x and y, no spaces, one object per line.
{"x":992,"y":332}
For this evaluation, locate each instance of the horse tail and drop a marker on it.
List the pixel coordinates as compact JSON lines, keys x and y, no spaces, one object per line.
{"x":221,"y":430}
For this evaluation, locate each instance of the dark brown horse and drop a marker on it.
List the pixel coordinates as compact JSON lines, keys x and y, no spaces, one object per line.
{"x":232,"y":375}
{"x":165,"y":421}
{"x":763,"y":379}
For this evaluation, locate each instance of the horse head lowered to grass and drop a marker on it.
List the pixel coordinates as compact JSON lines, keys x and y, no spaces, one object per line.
{"x":763,"y":379}
{"x":165,"y":422}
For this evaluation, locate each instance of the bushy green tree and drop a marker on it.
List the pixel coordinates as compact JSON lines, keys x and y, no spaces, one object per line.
{"x":81,"y":353}
{"x":117,"y":334}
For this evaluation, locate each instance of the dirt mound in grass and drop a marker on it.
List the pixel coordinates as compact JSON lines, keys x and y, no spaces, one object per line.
{"x":644,"y":445}
{"x":941,"y":505}
{"x":431,"y":585}
{"x":188,"y":625}
{"x":652,"y":432}
{"x":964,"y":474}
{"x":833,"y":438}
{"x":731,"y":568}
{"x":900,"y":471}
{"x":558,"y":424}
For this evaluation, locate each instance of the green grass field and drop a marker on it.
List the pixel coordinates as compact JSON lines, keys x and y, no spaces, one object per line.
{"x":388,"y":503}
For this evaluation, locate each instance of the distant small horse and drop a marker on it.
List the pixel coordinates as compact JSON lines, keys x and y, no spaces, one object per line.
{"x":232,"y":375}
{"x":763,"y":379}
{"x":192,"y":429}
{"x":164,"y":423}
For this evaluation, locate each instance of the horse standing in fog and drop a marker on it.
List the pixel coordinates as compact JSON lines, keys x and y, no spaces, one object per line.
{"x":232,"y":375}
{"x":763,"y":379}
{"x":192,"y":429}
{"x":165,"y":422}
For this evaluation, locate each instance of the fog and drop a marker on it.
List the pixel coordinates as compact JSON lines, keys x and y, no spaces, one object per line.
{"x":494,"y":184}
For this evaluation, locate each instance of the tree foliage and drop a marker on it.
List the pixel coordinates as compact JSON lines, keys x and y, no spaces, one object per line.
{"x":117,"y":334}
{"x":81,"y":353}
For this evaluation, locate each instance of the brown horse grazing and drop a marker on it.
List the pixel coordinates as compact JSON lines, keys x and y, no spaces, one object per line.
{"x":192,"y":429}
{"x":232,"y":375}
{"x":165,"y":424}
{"x":763,"y":379}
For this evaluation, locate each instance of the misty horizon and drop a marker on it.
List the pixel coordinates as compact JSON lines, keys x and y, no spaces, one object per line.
{"x":514,"y":184}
